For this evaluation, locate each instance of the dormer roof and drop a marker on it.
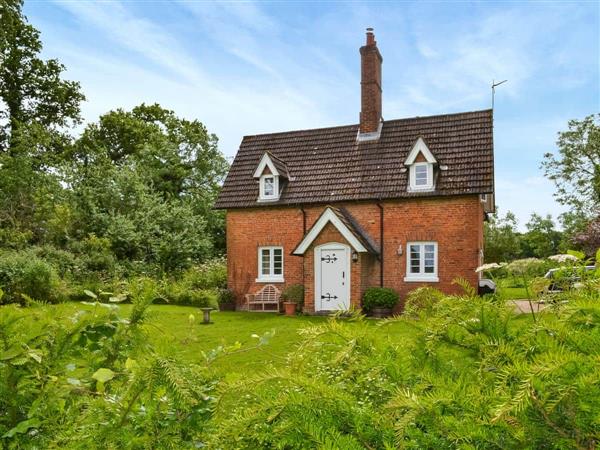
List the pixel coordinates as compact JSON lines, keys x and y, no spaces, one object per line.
{"x":420,"y":148}
{"x":276,"y":166}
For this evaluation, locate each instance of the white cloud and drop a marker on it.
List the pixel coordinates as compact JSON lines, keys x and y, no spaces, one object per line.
{"x":257,"y":69}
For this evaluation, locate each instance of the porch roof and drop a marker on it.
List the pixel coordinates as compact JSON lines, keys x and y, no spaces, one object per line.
{"x":343,"y":221}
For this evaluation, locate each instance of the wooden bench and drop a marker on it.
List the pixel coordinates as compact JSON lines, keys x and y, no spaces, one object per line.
{"x":267,"y":296}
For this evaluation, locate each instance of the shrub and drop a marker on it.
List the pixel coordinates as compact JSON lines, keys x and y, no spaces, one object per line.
{"x":421,"y":301}
{"x":293,"y":293}
{"x":65,"y":262}
{"x":378,"y":297}
{"x":180,"y":293}
{"x":24,"y":273}
{"x":96,"y":255}
{"x":210,"y":275}
{"x":226,"y":296}
{"x":529,"y":267}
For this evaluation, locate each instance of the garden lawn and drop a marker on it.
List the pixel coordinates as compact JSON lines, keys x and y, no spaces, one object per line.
{"x":174,"y":334}
{"x":510,"y":289}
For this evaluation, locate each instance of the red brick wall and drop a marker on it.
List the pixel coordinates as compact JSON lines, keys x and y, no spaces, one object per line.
{"x":252,"y":228}
{"x":456,"y":223}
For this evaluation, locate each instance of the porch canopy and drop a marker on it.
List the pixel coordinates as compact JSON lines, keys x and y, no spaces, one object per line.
{"x":341,"y":219}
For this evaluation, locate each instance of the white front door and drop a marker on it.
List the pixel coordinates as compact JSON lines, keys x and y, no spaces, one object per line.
{"x":332,"y":277}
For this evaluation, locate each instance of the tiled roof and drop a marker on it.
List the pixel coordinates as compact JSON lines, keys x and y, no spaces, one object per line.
{"x":328,"y":165}
{"x":355,"y":228}
{"x":279,"y":165}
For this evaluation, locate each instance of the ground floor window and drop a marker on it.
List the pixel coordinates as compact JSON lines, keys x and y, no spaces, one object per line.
{"x":421,"y":261}
{"x":270,"y":264}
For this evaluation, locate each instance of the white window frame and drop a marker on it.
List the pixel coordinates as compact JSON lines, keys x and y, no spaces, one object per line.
{"x":413,"y":177}
{"x":262,"y":195}
{"x":271,"y":277}
{"x":422,"y":276}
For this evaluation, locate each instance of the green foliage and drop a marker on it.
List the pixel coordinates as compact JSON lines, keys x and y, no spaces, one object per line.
{"x":502,"y":241}
{"x":133,"y":195}
{"x":529,"y":267}
{"x":226,"y":296}
{"x":421,"y":301}
{"x":39,"y":105}
{"x":472,"y":375}
{"x":377,"y":297}
{"x":294,"y":293}
{"x":576,"y":168}
{"x":201,"y":286}
{"x":146,"y":180}
{"x":541,"y":239}
{"x":93,"y":380}
{"x":25,"y":274}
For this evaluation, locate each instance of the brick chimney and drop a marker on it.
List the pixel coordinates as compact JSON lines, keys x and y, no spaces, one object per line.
{"x":370,"y":85}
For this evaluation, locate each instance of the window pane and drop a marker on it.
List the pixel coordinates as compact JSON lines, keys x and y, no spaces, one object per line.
{"x":421,"y":175}
{"x":415,"y":258}
{"x":277,"y":261}
{"x":266,"y":262}
{"x":268,"y":187}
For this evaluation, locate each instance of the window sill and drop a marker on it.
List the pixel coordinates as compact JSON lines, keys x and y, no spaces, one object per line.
{"x":421,"y":189}
{"x":269,"y":280}
{"x":421,"y":279}
{"x":267,"y":199}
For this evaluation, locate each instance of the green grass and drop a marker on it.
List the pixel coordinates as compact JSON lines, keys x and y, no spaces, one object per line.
{"x":511,"y":290}
{"x":172,"y":334}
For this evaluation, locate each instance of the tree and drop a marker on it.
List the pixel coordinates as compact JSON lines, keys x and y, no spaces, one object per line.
{"x":573,"y":223}
{"x":541,"y":239}
{"x":502,"y":241}
{"x":589,"y":239}
{"x":36,"y":109}
{"x":35,"y":103}
{"x":147,"y":180}
{"x":576,"y":168}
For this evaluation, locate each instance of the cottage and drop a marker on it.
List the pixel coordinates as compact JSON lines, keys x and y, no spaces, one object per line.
{"x":394,"y":203}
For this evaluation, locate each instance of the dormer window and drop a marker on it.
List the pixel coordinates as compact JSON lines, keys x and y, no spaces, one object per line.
{"x":270,"y":173}
{"x":269,"y":187}
{"x":420,"y":162}
{"x":421,"y":176}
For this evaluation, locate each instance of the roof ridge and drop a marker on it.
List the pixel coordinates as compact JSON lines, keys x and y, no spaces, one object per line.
{"x":461,"y":113}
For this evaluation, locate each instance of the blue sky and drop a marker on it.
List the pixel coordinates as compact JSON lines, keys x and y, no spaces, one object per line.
{"x":247,"y":68}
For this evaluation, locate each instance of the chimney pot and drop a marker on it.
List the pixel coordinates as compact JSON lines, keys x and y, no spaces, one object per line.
{"x":370,"y":37}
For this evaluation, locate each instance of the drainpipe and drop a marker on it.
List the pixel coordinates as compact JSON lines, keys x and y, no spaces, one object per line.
{"x":303,"y":235}
{"x":303,"y":220}
{"x":380,"y":206}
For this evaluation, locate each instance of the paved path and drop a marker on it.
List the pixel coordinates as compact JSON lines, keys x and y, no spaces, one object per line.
{"x":523,"y":306}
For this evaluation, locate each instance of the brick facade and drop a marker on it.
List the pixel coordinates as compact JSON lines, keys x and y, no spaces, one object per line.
{"x":455,"y":223}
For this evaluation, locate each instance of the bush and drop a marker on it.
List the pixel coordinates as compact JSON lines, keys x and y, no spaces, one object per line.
{"x":210,"y":275}
{"x":65,"y":262}
{"x":25,"y":273}
{"x":226,"y":296}
{"x":180,"y":293}
{"x":293,"y":293}
{"x":378,"y":297}
{"x":421,"y":301}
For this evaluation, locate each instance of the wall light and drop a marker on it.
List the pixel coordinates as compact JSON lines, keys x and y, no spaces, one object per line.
{"x":354,"y":256}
